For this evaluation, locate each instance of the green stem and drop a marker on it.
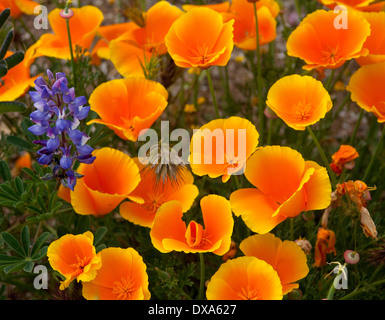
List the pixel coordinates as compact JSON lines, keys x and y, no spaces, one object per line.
{"x":329,"y":83}
{"x":202,"y":276}
{"x":323,"y":156}
{"x":373,"y":158}
{"x":363,"y":289}
{"x":70,"y":44}
{"x":259,"y":79}
{"x":353,"y":136}
{"x":212,"y":92}
{"x":331,"y":291}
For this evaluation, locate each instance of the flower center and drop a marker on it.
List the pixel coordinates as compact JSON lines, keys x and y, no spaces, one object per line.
{"x":80,"y":263}
{"x":248,"y":294}
{"x":123,"y":288}
{"x":331,"y":56}
{"x":302,"y":111}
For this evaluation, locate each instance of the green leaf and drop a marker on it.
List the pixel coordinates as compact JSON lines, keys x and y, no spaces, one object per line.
{"x":13,"y":243}
{"x":28,"y":267}
{"x":5,"y":173}
{"x":40,"y":254}
{"x":4,"y":15}
{"x":14,"y":267}
{"x":99,"y":234}
{"x":6,"y":43}
{"x":11,"y":106}
{"x":100,"y":247}
{"x":20,"y":143}
{"x":83,"y":224}
{"x":14,"y":59}
{"x":7,"y":190}
{"x":19,"y":185}
{"x":25,"y":241}
{"x":3,"y":72}
{"x":39,"y":242}
{"x":6,"y":259}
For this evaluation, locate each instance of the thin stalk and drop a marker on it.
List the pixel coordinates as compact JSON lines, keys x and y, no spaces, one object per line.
{"x":353,"y":136}
{"x":212,"y":93}
{"x":363,"y":289}
{"x":323,"y":156}
{"x":329,"y":83}
{"x":373,"y":158}
{"x":261,"y":115}
{"x":70,"y":44}
{"x":202,"y":276}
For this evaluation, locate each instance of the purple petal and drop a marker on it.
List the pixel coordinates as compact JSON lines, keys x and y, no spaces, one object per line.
{"x":37,"y":130}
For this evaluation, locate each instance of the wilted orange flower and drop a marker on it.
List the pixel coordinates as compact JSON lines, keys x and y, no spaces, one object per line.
{"x":200,"y":38}
{"x":107,"y":181}
{"x":169,"y":231}
{"x":357,"y":191}
{"x":367,"y":224}
{"x":299,"y":101}
{"x":343,"y":158}
{"x":244,"y":22}
{"x":17,"y":81}
{"x":154,"y":196}
{"x":75,"y":257}
{"x":131,"y":50}
{"x":231,"y":253}
{"x":245,"y":278}
{"x":287,"y":257}
{"x":326,"y":240}
{"x":286,"y":185}
{"x":375,"y":43}
{"x":123,"y":276}
{"x":222,"y":146}
{"x":18,"y":7}
{"x":366,"y":86}
{"x":321,"y":45}
{"x":83,"y":26}
{"x":128,"y":106}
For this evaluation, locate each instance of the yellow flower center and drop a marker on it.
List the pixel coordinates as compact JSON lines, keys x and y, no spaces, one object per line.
{"x":302,"y":111}
{"x":80,"y":263}
{"x":331,"y":56}
{"x":248,"y":294}
{"x":123,"y":288}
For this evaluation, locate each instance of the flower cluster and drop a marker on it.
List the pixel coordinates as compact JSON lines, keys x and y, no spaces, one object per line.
{"x":57,"y":116}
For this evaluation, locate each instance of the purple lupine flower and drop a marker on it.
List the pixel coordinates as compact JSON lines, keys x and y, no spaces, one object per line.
{"x":58,"y":114}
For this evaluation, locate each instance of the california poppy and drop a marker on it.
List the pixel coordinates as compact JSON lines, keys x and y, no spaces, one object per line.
{"x":100,"y":190}
{"x":128,"y":106}
{"x":222,"y":146}
{"x":245,"y":278}
{"x":200,"y":38}
{"x":366,"y":86}
{"x":75,"y":257}
{"x":17,"y":81}
{"x":123,"y":276}
{"x":286,"y":257}
{"x":362,"y":5}
{"x":244,"y":23}
{"x":170,"y":233}
{"x":286,"y":185}
{"x":219,"y":7}
{"x":326,"y":240}
{"x":154,"y":195}
{"x":299,"y":101}
{"x":130,"y":51}
{"x":83,"y":26}
{"x":343,"y":158}
{"x":375,"y":43}
{"x":320,"y":44}
{"x":18,"y":7}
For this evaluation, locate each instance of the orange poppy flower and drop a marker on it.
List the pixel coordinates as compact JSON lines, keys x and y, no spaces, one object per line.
{"x":201,"y":39}
{"x":343,"y":158}
{"x":154,"y":196}
{"x":286,"y":185}
{"x":362,"y":5}
{"x":128,"y":106}
{"x":287,"y":257}
{"x":366,"y":86}
{"x":107,"y":181}
{"x":75,"y":257}
{"x":17,"y":81}
{"x":83,"y":27}
{"x":375,"y":43}
{"x":222,"y":146}
{"x":18,"y":7}
{"x":299,"y":101}
{"x":326,"y":240}
{"x":132,"y":49}
{"x":244,"y":24}
{"x":169,"y":231}
{"x":123,"y":276}
{"x":219,"y":7}
{"x":321,"y":45}
{"x":108,"y":33}
{"x":245,"y":278}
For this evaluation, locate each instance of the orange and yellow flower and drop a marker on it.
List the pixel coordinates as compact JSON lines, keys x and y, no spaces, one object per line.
{"x":321,"y":45}
{"x":128,"y":106}
{"x":154,"y":195}
{"x":219,"y":7}
{"x":245,"y":278}
{"x":83,"y":27}
{"x":286,"y":257}
{"x":222,"y":147}
{"x":362,"y":5}
{"x":200,"y":38}
{"x":366,"y":86}
{"x":244,"y":22}
{"x":326,"y":240}
{"x":108,"y":181}
{"x":169,"y":231}
{"x":75,"y":257}
{"x":131,"y":50}
{"x":286,"y":185}
{"x":123,"y":276}
{"x":299,"y":101}
{"x":343,"y":158}
{"x":18,"y":7}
